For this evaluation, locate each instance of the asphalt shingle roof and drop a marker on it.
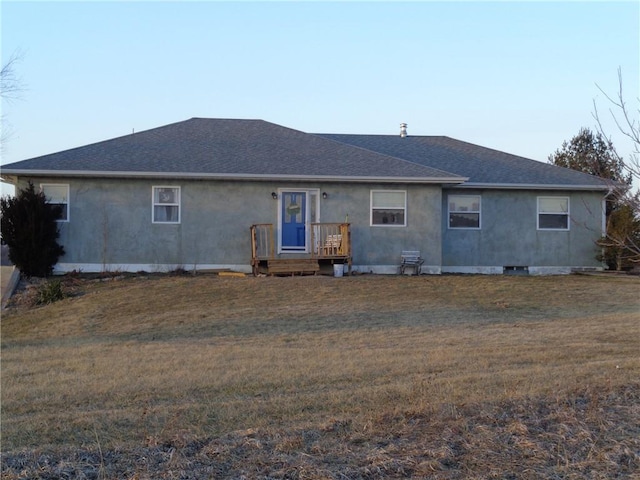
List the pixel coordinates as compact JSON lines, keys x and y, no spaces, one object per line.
{"x":224,"y":147}
{"x":229,"y":148}
{"x":481,"y":165}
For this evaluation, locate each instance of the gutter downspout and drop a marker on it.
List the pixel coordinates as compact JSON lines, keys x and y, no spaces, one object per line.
{"x":603,"y":232}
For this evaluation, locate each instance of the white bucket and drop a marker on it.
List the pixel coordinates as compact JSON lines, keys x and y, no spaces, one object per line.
{"x":338,"y":269}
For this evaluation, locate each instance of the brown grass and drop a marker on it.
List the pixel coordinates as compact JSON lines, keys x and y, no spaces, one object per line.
{"x":317,"y":377}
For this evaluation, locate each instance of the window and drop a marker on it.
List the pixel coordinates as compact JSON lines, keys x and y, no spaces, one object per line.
{"x":166,"y":204}
{"x":464,"y":211}
{"x":553,"y":213}
{"x":388,"y":208}
{"x":57,"y":194}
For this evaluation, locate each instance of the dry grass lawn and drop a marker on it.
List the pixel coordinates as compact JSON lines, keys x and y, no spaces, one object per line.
{"x":318,"y":377}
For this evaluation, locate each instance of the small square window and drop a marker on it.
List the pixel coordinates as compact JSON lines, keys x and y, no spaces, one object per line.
{"x":166,"y":204}
{"x":388,"y":208}
{"x":57,"y":194}
{"x":553,"y":213}
{"x":464,"y":211}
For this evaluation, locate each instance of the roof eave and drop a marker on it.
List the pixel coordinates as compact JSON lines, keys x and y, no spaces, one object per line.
{"x":230,"y":176}
{"x":534,"y":186}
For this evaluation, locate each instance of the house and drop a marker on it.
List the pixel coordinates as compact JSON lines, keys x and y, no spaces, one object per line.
{"x":250,"y":195}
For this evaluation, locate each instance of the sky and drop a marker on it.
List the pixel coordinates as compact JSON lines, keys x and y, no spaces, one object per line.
{"x":521,"y":77}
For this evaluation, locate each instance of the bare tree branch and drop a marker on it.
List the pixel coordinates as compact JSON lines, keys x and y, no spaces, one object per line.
{"x":626,"y":124}
{"x":11,"y":88}
{"x":623,"y":226}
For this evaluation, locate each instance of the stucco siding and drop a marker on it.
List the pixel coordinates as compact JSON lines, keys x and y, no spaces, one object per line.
{"x":509,"y":234}
{"x":379,"y":246}
{"x":111,"y":223}
{"x":111,"y":226}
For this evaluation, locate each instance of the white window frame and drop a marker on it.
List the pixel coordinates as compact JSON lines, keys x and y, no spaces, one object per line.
{"x":567,"y":213}
{"x":379,"y":207}
{"x":160,"y":204}
{"x":43,"y":188}
{"x":478,"y":212}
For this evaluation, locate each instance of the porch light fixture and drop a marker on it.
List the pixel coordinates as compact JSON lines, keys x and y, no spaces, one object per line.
{"x":324,"y":195}
{"x":274,"y":195}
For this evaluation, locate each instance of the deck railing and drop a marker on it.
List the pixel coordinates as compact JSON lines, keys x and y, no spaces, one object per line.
{"x":328,"y":241}
{"x":262,"y":244}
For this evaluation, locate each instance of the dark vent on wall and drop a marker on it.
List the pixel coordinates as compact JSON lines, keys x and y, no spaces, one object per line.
{"x":515,"y":270}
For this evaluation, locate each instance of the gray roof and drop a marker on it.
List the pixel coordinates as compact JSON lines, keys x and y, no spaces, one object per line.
{"x":255,"y":149}
{"x":483,"y":166}
{"x":223,"y":148}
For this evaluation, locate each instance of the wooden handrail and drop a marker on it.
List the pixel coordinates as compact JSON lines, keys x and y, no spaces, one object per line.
{"x":328,"y":241}
{"x":262,"y":244}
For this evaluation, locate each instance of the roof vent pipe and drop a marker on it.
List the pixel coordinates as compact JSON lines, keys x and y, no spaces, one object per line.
{"x":403,"y":130}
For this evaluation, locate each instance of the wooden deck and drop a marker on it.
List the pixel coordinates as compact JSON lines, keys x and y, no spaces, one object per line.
{"x":329,"y":243}
{"x":292,"y":266}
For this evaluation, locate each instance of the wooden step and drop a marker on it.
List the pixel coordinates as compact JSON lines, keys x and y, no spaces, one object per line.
{"x":292,"y":266}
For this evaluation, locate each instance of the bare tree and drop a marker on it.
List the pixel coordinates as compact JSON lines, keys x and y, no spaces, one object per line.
{"x":11,"y":87}
{"x":627,"y":121}
{"x":10,"y":84}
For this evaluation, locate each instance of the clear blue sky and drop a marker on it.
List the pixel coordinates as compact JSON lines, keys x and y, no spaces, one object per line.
{"x":515,"y":76}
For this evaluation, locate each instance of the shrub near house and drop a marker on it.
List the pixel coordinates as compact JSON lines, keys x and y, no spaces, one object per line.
{"x":30,"y":230}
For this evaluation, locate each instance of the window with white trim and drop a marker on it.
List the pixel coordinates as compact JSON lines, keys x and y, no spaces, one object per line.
{"x":57,"y":194}
{"x":464,"y":211}
{"x":388,"y":208}
{"x":166,"y":204}
{"x":553,"y":213}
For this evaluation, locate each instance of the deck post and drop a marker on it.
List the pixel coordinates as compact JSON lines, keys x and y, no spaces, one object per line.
{"x":330,"y":242}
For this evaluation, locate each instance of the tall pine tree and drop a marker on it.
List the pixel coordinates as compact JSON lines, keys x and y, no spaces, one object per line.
{"x":594,"y":154}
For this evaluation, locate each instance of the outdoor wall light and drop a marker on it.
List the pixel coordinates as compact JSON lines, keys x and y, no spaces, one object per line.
{"x":274,"y":195}
{"x":324,"y":195}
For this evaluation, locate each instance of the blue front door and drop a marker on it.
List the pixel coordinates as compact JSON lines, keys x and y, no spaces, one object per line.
{"x":293,"y":215}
